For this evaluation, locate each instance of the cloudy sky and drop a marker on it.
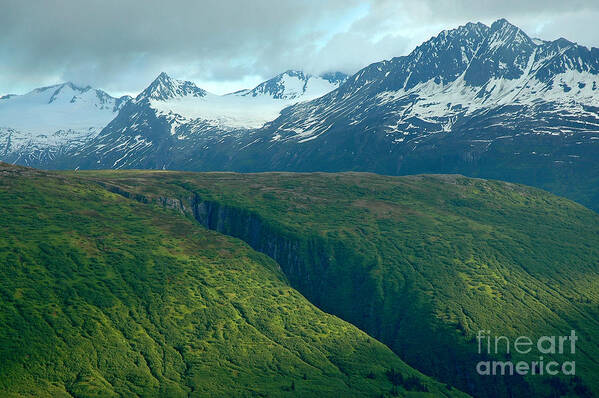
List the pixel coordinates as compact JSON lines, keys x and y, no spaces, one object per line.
{"x":225,"y":45}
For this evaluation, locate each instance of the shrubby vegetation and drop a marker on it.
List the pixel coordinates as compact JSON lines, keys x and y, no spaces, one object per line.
{"x":420,"y":263}
{"x":103,"y":296}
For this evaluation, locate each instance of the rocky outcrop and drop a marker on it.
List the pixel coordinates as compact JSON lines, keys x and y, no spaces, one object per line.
{"x":298,"y":258}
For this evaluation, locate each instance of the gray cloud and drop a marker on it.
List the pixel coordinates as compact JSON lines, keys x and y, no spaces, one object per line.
{"x":122,"y":45}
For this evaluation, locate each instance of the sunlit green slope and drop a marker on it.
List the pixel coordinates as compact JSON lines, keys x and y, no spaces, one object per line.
{"x":421,"y":263}
{"x":103,"y":296}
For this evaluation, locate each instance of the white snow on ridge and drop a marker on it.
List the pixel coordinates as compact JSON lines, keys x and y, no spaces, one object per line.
{"x":47,"y":110}
{"x":67,"y":115}
{"x":226,"y":110}
{"x":568,"y":89}
{"x":317,"y":87}
{"x":63,"y":114}
{"x":572,"y":93}
{"x":241,"y":110}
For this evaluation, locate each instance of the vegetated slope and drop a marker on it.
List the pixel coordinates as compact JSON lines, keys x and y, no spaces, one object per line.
{"x":421,"y":262}
{"x":105,"y":296}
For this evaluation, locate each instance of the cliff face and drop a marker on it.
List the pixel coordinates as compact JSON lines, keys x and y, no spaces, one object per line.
{"x":311,"y":264}
{"x":305,"y":261}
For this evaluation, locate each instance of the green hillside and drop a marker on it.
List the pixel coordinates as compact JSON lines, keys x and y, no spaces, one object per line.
{"x":421,"y":263}
{"x":104,"y":296}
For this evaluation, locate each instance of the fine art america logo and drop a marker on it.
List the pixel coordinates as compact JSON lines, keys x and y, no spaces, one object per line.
{"x":552,"y":346}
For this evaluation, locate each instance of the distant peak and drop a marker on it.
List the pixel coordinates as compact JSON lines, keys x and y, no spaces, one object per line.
{"x":76,"y":87}
{"x":503,"y":24}
{"x":290,"y":84}
{"x":503,"y":33}
{"x":332,"y":77}
{"x":165,"y":87}
{"x":475,"y":25}
{"x":561,"y":42}
{"x":500,"y":22}
{"x":163,"y":76}
{"x":468,"y":27}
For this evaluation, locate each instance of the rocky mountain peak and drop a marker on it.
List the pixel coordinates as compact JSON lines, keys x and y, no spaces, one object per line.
{"x":165,"y":87}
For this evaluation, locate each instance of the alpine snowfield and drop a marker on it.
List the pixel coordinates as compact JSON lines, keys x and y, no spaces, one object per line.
{"x":247,"y":109}
{"x":50,"y":119}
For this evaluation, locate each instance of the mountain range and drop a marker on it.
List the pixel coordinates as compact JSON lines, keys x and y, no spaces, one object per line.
{"x":59,"y":126}
{"x":484,"y":101}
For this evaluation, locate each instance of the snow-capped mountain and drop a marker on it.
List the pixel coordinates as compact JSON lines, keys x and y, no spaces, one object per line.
{"x":479,"y":100}
{"x":183,"y":102}
{"x":457,"y":74}
{"x":173,"y":114}
{"x":296,"y":85}
{"x":51,"y":119}
{"x":164,"y":88}
{"x":67,"y":120}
